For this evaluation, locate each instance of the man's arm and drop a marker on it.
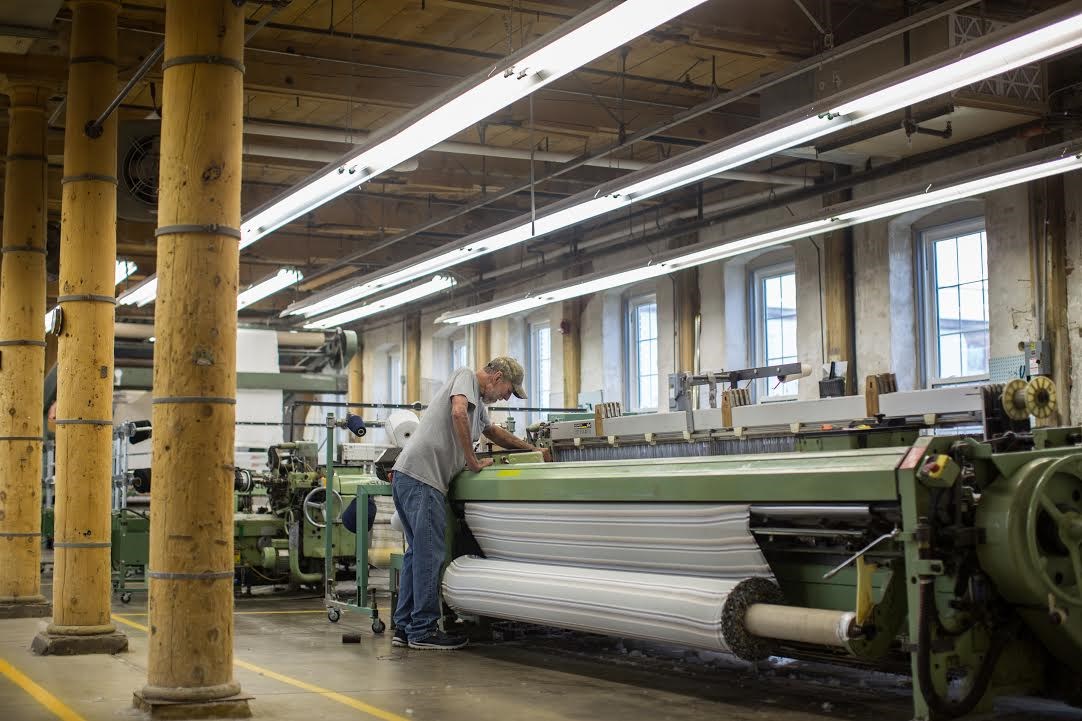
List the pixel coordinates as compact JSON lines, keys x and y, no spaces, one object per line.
{"x":460,"y":421}
{"x":504,"y":439}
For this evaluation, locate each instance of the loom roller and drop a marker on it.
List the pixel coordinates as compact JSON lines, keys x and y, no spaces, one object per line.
{"x":685,"y":574}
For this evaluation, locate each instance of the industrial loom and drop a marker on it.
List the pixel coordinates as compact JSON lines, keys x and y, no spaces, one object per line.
{"x":888,"y":539}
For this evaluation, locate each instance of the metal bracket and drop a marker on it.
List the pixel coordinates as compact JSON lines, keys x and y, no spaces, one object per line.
{"x":212,"y":228}
{"x":885,"y":537}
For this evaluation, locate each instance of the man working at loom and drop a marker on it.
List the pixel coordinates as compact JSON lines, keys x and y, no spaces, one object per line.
{"x":441,"y":446}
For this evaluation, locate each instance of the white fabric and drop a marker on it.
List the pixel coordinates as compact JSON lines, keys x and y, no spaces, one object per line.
{"x":681,"y":610}
{"x":695,"y":539}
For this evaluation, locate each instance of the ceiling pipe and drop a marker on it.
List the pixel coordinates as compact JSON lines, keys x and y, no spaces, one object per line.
{"x":285,"y":152}
{"x":352,"y":137}
{"x":286,"y":338}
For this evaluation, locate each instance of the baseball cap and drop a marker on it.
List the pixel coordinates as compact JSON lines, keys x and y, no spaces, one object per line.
{"x":512,"y":371}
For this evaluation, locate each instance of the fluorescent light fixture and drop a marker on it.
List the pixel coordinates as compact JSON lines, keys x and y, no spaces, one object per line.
{"x":53,"y":318}
{"x":147,"y":290}
{"x":435,"y":285}
{"x":124,"y":268}
{"x":1027,"y":41}
{"x":142,"y":294}
{"x":268,"y":286}
{"x":1039,"y":165}
{"x":581,"y":40}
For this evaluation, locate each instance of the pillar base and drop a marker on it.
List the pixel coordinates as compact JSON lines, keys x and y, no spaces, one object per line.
{"x":30,"y":609}
{"x":56,"y":644}
{"x":229,"y":707}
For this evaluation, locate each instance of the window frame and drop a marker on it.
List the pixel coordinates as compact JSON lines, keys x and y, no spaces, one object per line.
{"x":394,"y":385}
{"x":929,"y":301}
{"x":632,"y":397}
{"x":540,"y":383}
{"x":455,"y":341}
{"x":757,"y":327}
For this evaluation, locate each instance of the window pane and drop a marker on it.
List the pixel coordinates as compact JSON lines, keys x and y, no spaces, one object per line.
{"x":772,"y":292}
{"x":971,"y":258}
{"x":971,"y":305}
{"x":975,"y":353}
{"x":946,"y":262}
{"x":647,"y":321}
{"x":777,"y":324}
{"x":774,"y":348}
{"x":950,"y":355}
{"x":947,"y":300}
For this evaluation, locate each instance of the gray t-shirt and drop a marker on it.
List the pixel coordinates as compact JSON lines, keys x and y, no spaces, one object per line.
{"x":432,"y":455}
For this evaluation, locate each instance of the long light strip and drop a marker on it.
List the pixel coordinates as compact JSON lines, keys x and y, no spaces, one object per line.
{"x":268,"y":286}
{"x":823,"y":224}
{"x":142,"y":294}
{"x":124,"y":268}
{"x":145,"y":292}
{"x":560,"y":52}
{"x":803,"y":126}
{"x":437,"y":284}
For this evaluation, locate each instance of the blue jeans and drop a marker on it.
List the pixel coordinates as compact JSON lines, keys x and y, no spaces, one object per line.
{"x":421,"y":508}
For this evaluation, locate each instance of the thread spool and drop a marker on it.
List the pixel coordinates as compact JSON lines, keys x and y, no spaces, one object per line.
{"x":1041,"y":397}
{"x":1014,"y":400}
{"x":1036,"y":398}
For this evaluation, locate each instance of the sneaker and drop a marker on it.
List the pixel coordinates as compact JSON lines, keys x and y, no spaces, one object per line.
{"x":439,"y":641}
{"x":399,"y":639}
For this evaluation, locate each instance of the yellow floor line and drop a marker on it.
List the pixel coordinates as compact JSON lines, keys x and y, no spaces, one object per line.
{"x":297,"y":683}
{"x":332,"y":695}
{"x":39,"y":694}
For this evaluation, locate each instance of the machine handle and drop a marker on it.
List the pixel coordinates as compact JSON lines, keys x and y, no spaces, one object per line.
{"x":885,"y":537}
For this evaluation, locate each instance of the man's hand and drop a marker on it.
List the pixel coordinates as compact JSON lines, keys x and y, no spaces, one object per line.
{"x":546,"y":453}
{"x":476,"y":465}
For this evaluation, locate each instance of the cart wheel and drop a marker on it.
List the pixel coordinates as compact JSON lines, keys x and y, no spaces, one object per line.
{"x":333,"y":614}
{"x":378,"y":626}
{"x":125,"y":597}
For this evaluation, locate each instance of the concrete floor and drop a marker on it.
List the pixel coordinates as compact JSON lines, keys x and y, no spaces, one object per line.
{"x":291,"y":659}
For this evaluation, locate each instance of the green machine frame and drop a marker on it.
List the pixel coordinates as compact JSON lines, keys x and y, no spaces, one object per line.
{"x":975,"y":581}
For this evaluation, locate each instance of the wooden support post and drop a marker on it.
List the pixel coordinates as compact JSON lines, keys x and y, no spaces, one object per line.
{"x":686,"y":306}
{"x":570,"y":326}
{"x":412,"y":357}
{"x":355,"y":379}
{"x":838,"y":301}
{"x":482,"y":343}
{"x":84,"y":408}
{"x":22,"y":353}
{"x":1050,"y":224}
{"x":190,"y":648}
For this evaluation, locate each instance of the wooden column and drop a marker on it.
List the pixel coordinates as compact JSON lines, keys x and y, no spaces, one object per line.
{"x":355,"y":379}
{"x":22,"y":353}
{"x":1047,"y":206}
{"x":838,"y":302}
{"x":571,"y":316}
{"x":84,"y":409}
{"x":839,"y":318}
{"x":190,"y":659}
{"x":482,"y":343}
{"x":412,"y":357}
{"x":686,"y":303}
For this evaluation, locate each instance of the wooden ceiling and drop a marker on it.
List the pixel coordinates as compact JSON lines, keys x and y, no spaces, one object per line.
{"x":336,"y":69}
